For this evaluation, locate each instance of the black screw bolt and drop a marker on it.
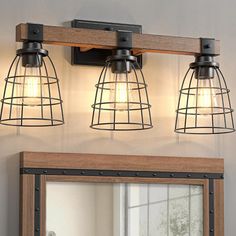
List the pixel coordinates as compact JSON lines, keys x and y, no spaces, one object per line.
{"x":100,"y":173}
{"x":124,"y":39}
{"x":211,"y":193}
{"x":154,"y":174}
{"x":64,"y":172}
{"x":222,"y":176}
{"x":189,"y":175}
{"x":37,"y":209}
{"x":36,"y":31}
{"x":211,"y":230}
{"x":45,"y":171}
{"x":37,"y":189}
{"x":207,"y":46}
{"x":136,"y":174}
{"x":205,"y":176}
{"x":172,"y":175}
{"x":82,"y":172}
{"x":211,"y":211}
{"x":119,"y":174}
{"x":37,"y":229}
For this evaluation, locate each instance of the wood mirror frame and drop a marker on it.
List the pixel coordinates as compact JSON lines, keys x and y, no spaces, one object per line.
{"x":36,"y":168}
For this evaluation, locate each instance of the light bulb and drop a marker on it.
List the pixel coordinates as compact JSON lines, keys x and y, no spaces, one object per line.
{"x":121,"y":92}
{"x":32,"y":89}
{"x":206,"y":97}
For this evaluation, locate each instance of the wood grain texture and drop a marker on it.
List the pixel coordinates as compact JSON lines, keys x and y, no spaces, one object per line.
{"x":120,"y":162}
{"x":90,"y":38}
{"x":106,"y":179}
{"x":219,"y":207}
{"x":27,"y":205}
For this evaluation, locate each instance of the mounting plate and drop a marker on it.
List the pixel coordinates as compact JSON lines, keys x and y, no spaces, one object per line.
{"x":208,"y":46}
{"x":97,"y":57}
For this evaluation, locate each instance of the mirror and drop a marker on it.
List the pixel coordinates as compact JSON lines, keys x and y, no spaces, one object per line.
{"x":113,"y":209}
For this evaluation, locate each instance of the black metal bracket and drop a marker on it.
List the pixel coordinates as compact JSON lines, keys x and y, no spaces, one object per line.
{"x":121,"y":173}
{"x":208,"y":46}
{"x":97,"y":57}
{"x":211,"y":208}
{"x":124,"y":39}
{"x":35,"y":32}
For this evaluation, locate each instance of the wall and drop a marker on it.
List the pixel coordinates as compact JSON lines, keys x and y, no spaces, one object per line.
{"x":212,"y":18}
{"x":71,"y":208}
{"x":84,"y":208}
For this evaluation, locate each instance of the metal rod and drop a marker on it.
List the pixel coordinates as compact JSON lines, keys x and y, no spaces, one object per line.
{"x":41,"y":84}
{"x":186,"y":109}
{"x":128,"y":91}
{"x":139,"y":93}
{"x":58,"y":87}
{"x":49,"y":91}
{"x":180,"y":94}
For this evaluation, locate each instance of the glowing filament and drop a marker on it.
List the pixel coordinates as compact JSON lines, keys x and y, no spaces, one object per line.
{"x":32,"y":91}
{"x":121,"y":93}
{"x":206,"y":97}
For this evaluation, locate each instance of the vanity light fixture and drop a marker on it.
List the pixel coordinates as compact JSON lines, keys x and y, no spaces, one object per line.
{"x":204,"y":105}
{"x":121,"y":101}
{"x":32,"y":95}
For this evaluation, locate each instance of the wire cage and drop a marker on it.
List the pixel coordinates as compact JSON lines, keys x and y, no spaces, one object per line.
{"x":31,"y":96}
{"x":204,"y":105}
{"x":121,"y":100}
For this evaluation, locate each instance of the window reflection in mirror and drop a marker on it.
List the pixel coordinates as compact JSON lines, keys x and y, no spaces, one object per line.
{"x":107,"y":209}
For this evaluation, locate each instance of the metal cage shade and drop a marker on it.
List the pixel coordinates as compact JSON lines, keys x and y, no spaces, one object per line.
{"x":121,"y":100}
{"x":31,"y":96}
{"x":204,"y":105}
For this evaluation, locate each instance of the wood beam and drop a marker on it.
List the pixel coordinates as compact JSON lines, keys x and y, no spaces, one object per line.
{"x":120,"y":162}
{"x":90,"y":38}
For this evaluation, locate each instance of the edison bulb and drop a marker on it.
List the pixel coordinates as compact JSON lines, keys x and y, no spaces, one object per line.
{"x":32,"y":89}
{"x":121,"y":93}
{"x":206,"y":97}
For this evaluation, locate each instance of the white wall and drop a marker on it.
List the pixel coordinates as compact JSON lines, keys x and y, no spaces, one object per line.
{"x":80,"y":208}
{"x":212,"y":18}
{"x":71,"y":208}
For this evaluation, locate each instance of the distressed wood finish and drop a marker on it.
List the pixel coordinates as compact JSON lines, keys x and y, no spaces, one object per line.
{"x":120,"y":162}
{"x":106,"y":179}
{"x":27,"y":205}
{"x":219,"y":207}
{"x":90,"y":38}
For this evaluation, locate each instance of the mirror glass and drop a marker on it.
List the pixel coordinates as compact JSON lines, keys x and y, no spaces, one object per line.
{"x":112,"y":209}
